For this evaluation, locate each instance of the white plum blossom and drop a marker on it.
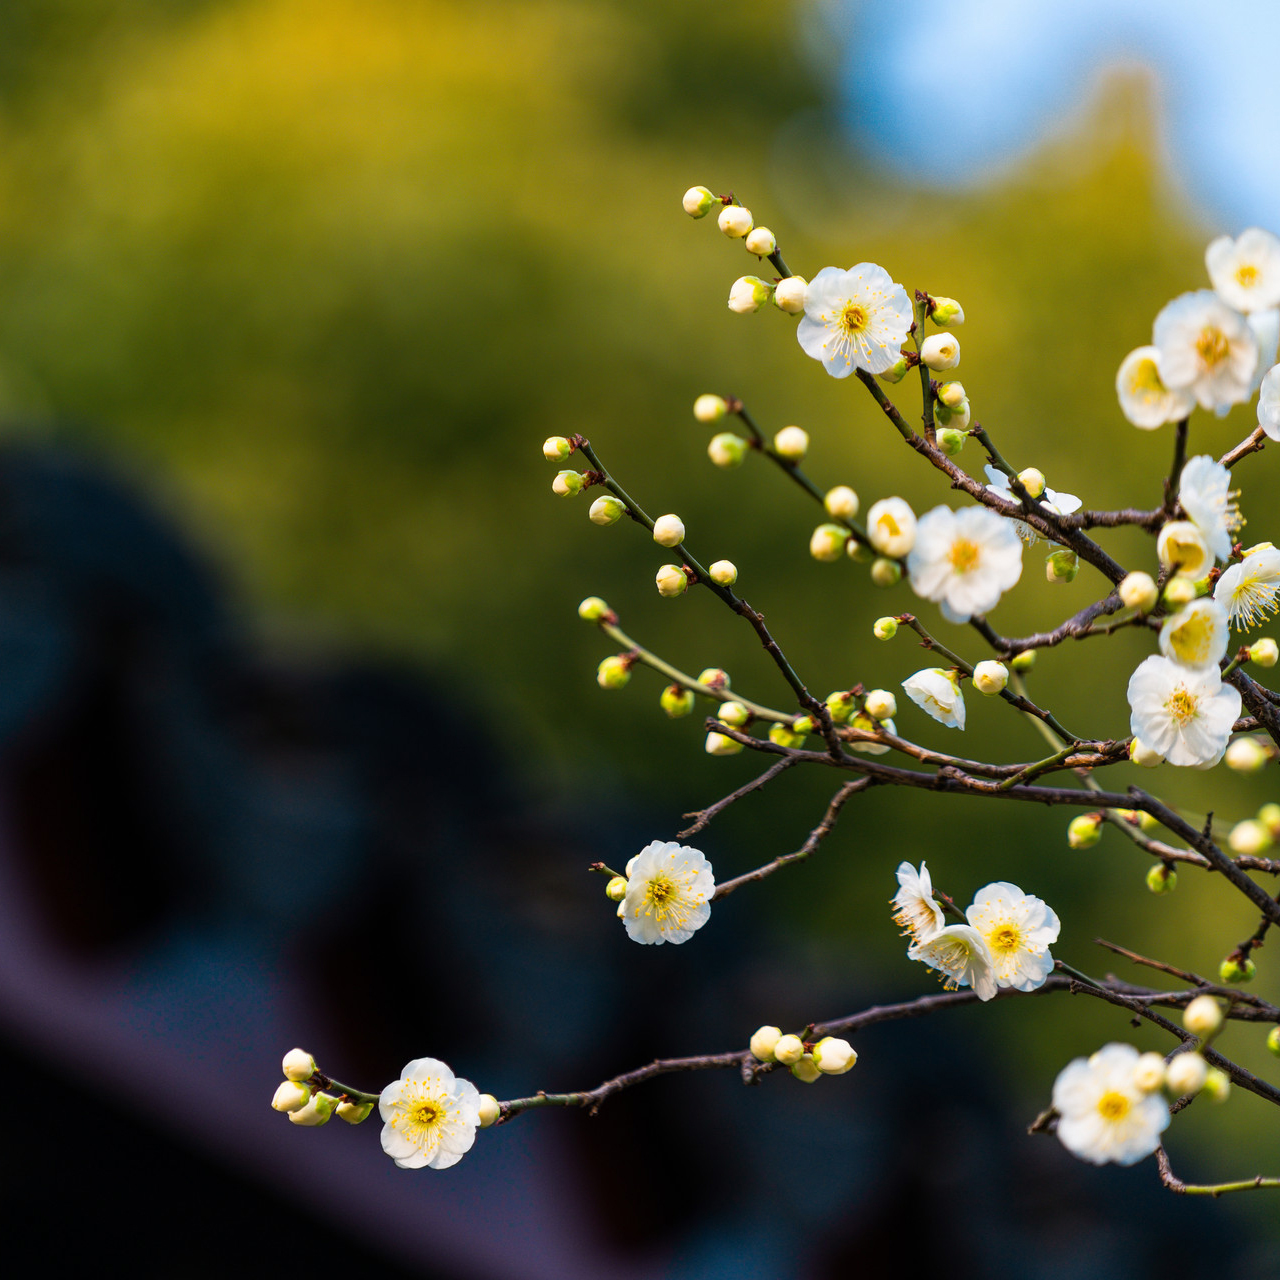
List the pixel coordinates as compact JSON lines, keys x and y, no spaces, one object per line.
{"x":1182,"y":548}
{"x":937,"y":692}
{"x":1104,"y":1117}
{"x":855,"y":319}
{"x":1183,"y":713}
{"x":669,"y":889}
{"x":1061,"y":504}
{"x":1246,"y":271}
{"x":1205,"y":492}
{"x":1269,"y":403}
{"x":1144,"y":398}
{"x":430,"y":1116}
{"x":1248,"y":590}
{"x":916,"y":911}
{"x":1197,"y":635}
{"x":1206,"y":347}
{"x":891,"y":526}
{"x":1018,"y":929}
{"x":959,"y":952}
{"x":964,"y":560}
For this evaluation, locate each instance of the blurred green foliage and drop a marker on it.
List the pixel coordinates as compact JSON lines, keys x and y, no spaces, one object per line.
{"x":325,"y":273}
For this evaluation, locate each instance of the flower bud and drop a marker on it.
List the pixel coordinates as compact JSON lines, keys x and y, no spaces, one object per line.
{"x":733,"y":713}
{"x":727,"y":450}
{"x":764,"y":1041}
{"x":761,"y":241}
{"x":1269,"y":816}
{"x":940,"y":351}
{"x":709,"y":408}
{"x":1179,"y":592}
{"x":1273,"y":1040}
{"x":788,"y":1049}
{"x":556,"y":448}
{"x":749,"y":294}
{"x":317,"y":1112}
{"x":895,"y":372}
{"x":1202,"y":1017}
{"x":1181,"y":547}
{"x":1143,"y":755}
{"x":885,"y":628}
{"x":1138,"y":591}
{"x":723,"y":572}
{"x":827,"y":543}
{"x":805,"y":1070}
{"x":714,"y":678}
{"x":857,"y":551}
{"x":783,"y":735}
{"x":951,"y":394}
{"x":490,"y":1109}
{"x":592,"y":609}
{"x":606,"y":510}
{"x":698,"y":202}
{"x":567,"y":483}
{"x":672,"y":581}
{"x":668,"y":531}
{"x":292,"y":1095}
{"x":1148,"y":1072}
{"x":951,"y":441}
{"x":886,"y":573}
{"x":676,"y":702}
{"x":1061,"y":566}
{"x":789,"y":295}
{"x":891,"y":527}
{"x":735,"y":221}
{"x":833,"y":1056}
{"x":1236,"y":969}
{"x":298,"y":1064}
{"x":791,"y":443}
{"x":865,"y":724}
{"x":1084,"y":831}
{"x":1146,"y":823}
{"x":1162,"y":879}
{"x":1186,"y":1074}
{"x":353,"y":1112}
{"x":946,"y":313}
{"x":840,"y":705}
{"x":613,"y":672}
{"x":1217,"y":1084}
{"x":1249,"y":837}
{"x":990,"y":677}
{"x":805,"y":725}
{"x":1246,"y":755}
{"x":616,"y":889}
{"x":880,"y":704}
{"x":1264,"y":652}
{"x":1023,"y":661}
{"x":718,"y":745}
{"x":841,"y":502}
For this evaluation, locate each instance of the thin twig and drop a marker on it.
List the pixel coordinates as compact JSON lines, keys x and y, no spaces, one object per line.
{"x":703,"y":816}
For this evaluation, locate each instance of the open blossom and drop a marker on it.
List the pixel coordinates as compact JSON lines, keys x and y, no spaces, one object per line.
{"x":1197,"y":635}
{"x":430,"y":1116}
{"x":1182,"y":548}
{"x":965,"y":560}
{"x":1183,"y":713}
{"x":669,"y":888}
{"x":1061,"y":504}
{"x":916,"y":910}
{"x":1017,"y":929}
{"x":1269,"y":403}
{"x":855,"y":319}
{"x":1104,"y":1117}
{"x":1246,"y":271}
{"x":1205,"y":492}
{"x":1248,"y":590}
{"x":1144,"y":398}
{"x":937,"y":692}
{"x":1207,"y":348}
{"x":959,"y":952}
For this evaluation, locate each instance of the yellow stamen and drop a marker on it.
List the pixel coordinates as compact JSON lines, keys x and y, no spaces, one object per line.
{"x":964,"y":555}
{"x":1247,"y":276}
{"x":1145,"y":377}
{"x":1113,"y":1106}
{"x":1212,"y":346}
{"x":1006,"y":938}
{"x":1182,"y":705}
{"x":853,"y":318}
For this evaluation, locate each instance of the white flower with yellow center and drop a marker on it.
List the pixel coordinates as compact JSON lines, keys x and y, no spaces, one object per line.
{"x":1206,"y":348}
{"x":1104,"y":1117}
{"x":1246,"y":272}
{"x":1144,"y":399}
{"x":1182,"y":548}
{"x":1018,"y":930}
{"x":1248,"y":590}
{"x":855,"y":319}
{"x":1061,"y":504}
{"x":916,"y":910}
{"x":936,"y":691}
{"x":430,"y":1116}
{"x":1197,"y":635}
{"x":1183,"y":713}
{"x":1269,"y":403}
{"x":960,"y":953}
{"x":1205,"y":492}
{"x":891,"y":526}
{"x":964,"y":560}
{"x":669,"y":889}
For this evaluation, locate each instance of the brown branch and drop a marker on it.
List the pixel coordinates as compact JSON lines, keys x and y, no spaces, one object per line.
{"x":703,"y":816}
{"x":1254,"y":442}
{"x":1180,"y":1188}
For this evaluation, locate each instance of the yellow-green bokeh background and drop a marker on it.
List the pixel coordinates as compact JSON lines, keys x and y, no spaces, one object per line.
{"x":322,"y":275}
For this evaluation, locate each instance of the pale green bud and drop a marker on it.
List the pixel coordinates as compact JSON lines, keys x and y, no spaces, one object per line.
{"x":1143,"y":755}
{"x":316,"y":1112}
{"x":946,"y":313}
{"x":613,"y":672}
{"x":1061,"y":566}
{"x":1138,"y":591}
{"x":748,"y":294}
{"x":714,"y":678}
{"x":1217,"y":1084}
{"x":727,"y":450}
{"x":788,"y":1049}
{"x":951,"y":394}
{"x":1162,"y":879}
{"x":1235,"y":969}
{"x":956,"y":419}
{"x":292,"y":1095}
{"x":606,"y":510}
{"x":783,"y":735}
{"x":789,"y":295}
{"x":1032,"y":480}
{"x":1264,"y":652}
{"x":895,"y":372}
{"x":675,"y":701}
{"x":761,"y":241}
{"x":885,"y":573}
{"x":723,"y":572}
{"x":671,"y":580}
{"x":1179,"y":592}
{"x":567,"y":483}
{"x":1023,"y":661}
{"x":806,"y":1070}
{"x":952,"y":441}
{"x":698,"y":202}
{"x":1269,"y":816}
{"x":1202,"y":1017}
{"x":490,"y":1109}
{"x":1148,"y":1072}
{"x":990,"y":677}
{"x":735,"y":221}
{"x":940,"y":351}
{"x":827,"y":543}
{"x":791,"y":443}
{"x":733,"y":713}
{"x":592,"y":609}
{"x":668,"y":531}
{"x":858,"y":552}
{"x":298,"y":1064}
{"x":805,"y":725}
{"x":885,"y":628}
{"x":709,"y":408}
{"x":616,"y":889}
{"x":556,"y":448}
{"x":719,"y":745}
{"x":1246,"y":755}
{"x":1084,"y":831}
{"x":1249,"y":837}
{"x":1273,"y":1040}
{"x":833,"y":1056}
{"x":1146,"y":823}
{"x":880,"y":704}
{"x":841,"y":705}
{"x":353,"y":1112}
{"x":764,"y":1041}
{"x":841,"y":502}
{"x":1185,"y":1074}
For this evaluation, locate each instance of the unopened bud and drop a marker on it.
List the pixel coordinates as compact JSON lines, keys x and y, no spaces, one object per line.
{"x":1264,"y":652}
{"x":788,"y":1049}
{"x":1138,"y":591}
{"x":556,"y":448}
{"x":956,"y":419}
{"x":951,"y":394}
{"x":940,"y":351}
{"x":841,"y":502}
{"x":676,"y":702}
{"x":723,"y":572}
{"x":1181,"y":547}
{"x":891,"y":526}
{"x":865,"y":724}
{"x":1237,"y":969}
{"x":1143,"y":755}
{"x":946,"y":313}
{"x":789,"y":295}
{"x":567,"y":483}
{"x":827,"y":543}
{"x":616,"y":889}
{"x":1084,"y":831}
{"x":1032,"y":480}
{"x":1148,"y":1072}
{"x":714,"y":678}
{"x":709,"y":408}
{"x":1023,"y":661}
{"x":735,"y":221}
{"x":880,"y":704}
{"x":951,"y":441}
{"x":1147,"y":823}
{"x":806,"y":1070}
{"x":733,"y":713}
{"x":606,"y":510}
{"x":764,"y":1041}
{"x":990,"y":677}
{"x":1203,"y":1017}
{"x":833,"y":1056}
{"x":1269,"y":816}
{"x":1162,"y":879}
{"x":791,"y":443}
{"x":1249,"y":837}
{"x":291,"y":1096}
{"x":885,"y":628}
{"x":726,"y":449}
{"x":748,"y":294}
{"x":1246,"y":755}
{"x":1273,"y":1041}
{"x":718,"y":744}
{"x":671,"y":580}
{"x":592,"y":609}
{"x":895,"y":372}
{"x":783,"y":735}
{"x":1186,"y":1074}
{"x":805,"y":725}
{"x":1217,"y":1084}
{"x":668,"y":531}
{"x":1061,"y":566}
{"x":490,"y":1109}
{"x":886,"y":573}
{"x":698,"y":202}
{"x":840,"y":705}
{"x":1179,"y":592}
{"x":298,"y":1064}
{"x":317,"y":1112}
{"x":761,"y":241}
{"x":353,"y":1112}
{"x":613,"y":672}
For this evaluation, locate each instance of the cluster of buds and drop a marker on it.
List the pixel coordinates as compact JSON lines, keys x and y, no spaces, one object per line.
{"x":301,"y":1096}
{"x":829,"y":1056}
